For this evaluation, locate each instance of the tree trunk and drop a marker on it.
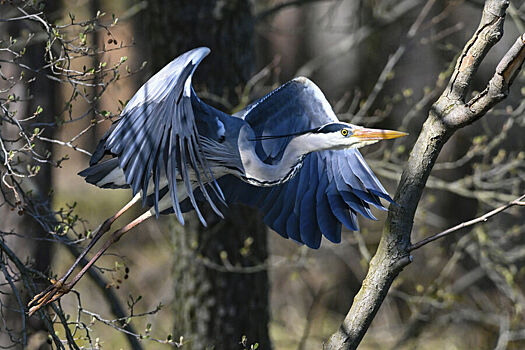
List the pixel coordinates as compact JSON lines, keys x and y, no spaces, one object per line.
{"x":214,"y":307}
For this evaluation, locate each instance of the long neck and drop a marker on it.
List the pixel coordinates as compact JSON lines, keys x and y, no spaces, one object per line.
{"x":259,"y":173}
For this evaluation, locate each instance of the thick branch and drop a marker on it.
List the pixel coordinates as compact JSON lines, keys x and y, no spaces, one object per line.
{"x":489,"y":31}
{"x":498,"y":87}
{"x":449,"y":113}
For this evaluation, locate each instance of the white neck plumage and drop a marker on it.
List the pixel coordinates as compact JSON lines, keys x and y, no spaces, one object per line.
{"x":259,"y":173}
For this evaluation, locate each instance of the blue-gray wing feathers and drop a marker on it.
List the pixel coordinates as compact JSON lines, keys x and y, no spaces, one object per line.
{"x":330,"y":188}
{"x":157,"y":136}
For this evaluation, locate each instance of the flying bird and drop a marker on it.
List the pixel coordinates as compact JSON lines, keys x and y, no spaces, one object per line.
{"x":286,"y":154}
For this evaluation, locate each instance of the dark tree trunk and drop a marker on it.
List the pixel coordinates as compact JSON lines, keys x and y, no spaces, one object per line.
{"x":214,"y":308}
{"x":43,"y":92}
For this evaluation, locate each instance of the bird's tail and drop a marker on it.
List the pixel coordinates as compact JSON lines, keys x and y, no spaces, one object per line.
{"x":106,"y":174}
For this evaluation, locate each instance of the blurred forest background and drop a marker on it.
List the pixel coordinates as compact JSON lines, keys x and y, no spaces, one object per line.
{"x":68,"y":67}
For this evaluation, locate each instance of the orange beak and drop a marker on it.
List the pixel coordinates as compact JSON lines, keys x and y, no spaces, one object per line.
{"x":377,"y":134}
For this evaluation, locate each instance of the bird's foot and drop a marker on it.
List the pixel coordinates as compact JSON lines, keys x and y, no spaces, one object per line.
{"x":56,"y":290}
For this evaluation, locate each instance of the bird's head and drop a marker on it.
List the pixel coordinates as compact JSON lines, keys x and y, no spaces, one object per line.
{"x":343,"y":135}
{"x":334,"y":136}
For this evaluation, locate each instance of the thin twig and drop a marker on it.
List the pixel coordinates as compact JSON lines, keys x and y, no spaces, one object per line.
{"x":62,"y":143}
{"x":517,"y":202}
{"x":18,"y":300}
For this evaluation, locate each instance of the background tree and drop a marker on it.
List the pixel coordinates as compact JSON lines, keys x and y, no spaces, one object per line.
{"x":215,"y":305}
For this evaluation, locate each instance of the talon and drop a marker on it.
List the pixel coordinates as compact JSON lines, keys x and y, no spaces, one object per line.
{"x":49,"y":295}
{"x":54,"y":284}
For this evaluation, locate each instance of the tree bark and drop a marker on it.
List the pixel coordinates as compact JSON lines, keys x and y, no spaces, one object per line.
{"x":213,"y":305}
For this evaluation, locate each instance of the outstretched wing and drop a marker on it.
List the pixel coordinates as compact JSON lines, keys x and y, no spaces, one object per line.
{"x":331,"y":187}
{"x":156,"y":138}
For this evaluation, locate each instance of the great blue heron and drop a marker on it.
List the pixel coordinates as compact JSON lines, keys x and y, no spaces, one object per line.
{"x":286,"y":154}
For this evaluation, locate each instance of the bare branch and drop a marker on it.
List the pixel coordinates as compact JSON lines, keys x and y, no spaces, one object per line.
{"x":483,"y":218}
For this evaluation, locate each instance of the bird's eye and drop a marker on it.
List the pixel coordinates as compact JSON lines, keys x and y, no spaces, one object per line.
{"x":344,"y":132}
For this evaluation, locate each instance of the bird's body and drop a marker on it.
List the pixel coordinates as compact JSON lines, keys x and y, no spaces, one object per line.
{"x":286,"y":154}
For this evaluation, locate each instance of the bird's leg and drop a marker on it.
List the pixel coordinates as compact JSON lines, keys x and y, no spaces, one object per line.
{"x":99,"y":232}
{"x":114,"y":238}
{"x":60,"y":288}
